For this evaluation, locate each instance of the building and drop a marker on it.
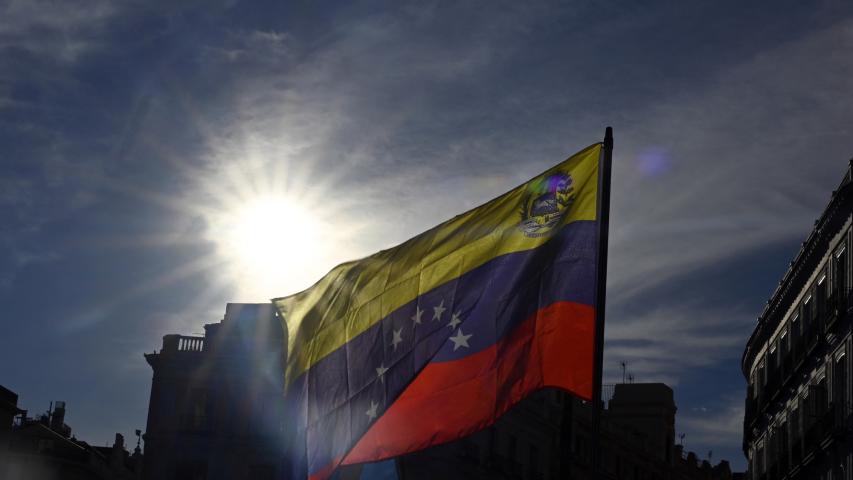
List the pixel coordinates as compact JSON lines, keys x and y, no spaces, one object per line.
{"x":549,"y":436}
{"x":215,"y":410}
{"x":215,"y":413}
{"x":797,"y":360}
{"x":43,"y":448}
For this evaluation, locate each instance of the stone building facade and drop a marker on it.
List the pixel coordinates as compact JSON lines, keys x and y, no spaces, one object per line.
{"x":797,"y":420}
{"x":215,"y":410}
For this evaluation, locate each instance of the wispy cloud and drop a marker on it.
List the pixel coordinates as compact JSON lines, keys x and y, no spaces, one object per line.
{"x":670,"y":341}
{"x":719,"y":425}
{"x":59,"y":30}
{"x":729,"y":138}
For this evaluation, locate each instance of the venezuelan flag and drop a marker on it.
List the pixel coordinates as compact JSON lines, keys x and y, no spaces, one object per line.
{"x":436,"y":338}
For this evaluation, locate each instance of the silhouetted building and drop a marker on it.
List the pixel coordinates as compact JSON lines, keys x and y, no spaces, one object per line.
{"x":216,"y":401}
{"x":797,"y":360}
{"x":8,"y":411}
{"x":215,"y":413}
{"x":43,"y":449}
{"x":549,"y":436}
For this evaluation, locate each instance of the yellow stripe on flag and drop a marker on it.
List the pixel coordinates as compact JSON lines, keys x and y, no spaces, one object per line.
{"x":355,"y":295}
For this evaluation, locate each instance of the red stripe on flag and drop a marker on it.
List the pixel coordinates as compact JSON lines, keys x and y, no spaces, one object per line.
{"x":449,"y":400}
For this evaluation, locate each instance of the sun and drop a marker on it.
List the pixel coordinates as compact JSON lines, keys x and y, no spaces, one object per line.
{"x":272,"y":241}
{"x":271,"y":231}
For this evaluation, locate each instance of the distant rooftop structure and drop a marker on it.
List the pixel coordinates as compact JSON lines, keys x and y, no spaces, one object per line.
{"x":43,"y":448}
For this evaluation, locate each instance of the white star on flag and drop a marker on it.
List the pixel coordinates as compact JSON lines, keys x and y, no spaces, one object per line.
{"x":460,"y":340}
{"x":397,"y":338}
{"x":380,"y":372}
{"x":371,"y":412}
{"x":438,"y":311}
{"x":416,"y":318}
{"x":454,"y":320}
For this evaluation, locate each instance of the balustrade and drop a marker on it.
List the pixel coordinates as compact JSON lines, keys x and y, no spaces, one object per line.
{"x":190,"y":344}
{"x":181,"y":343}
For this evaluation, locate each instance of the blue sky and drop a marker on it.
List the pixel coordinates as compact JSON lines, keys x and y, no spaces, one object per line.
{"x":134,"y":138}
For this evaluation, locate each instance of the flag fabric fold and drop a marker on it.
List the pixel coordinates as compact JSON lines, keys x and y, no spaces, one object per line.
{"x":435,"y":338}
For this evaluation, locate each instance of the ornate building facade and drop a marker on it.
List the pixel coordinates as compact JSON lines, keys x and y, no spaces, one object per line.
{"x":797,"y":422}
{"x":215,"y":410}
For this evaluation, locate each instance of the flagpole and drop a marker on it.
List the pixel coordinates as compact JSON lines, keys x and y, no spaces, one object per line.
{"x":603,"y":215}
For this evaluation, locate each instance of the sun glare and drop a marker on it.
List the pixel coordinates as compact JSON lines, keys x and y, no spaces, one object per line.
{"x":272,"y":238}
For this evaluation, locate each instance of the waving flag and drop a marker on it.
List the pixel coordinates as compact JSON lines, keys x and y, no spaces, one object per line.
{"x":436,"y":338}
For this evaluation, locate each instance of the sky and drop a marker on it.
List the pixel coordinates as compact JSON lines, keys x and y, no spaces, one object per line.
{"x":151,"y":155}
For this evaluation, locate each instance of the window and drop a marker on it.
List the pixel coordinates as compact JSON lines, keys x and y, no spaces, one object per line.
{"x":753,"y":392}
{"x":807,"y":313}
{"x":840,"y":274}
{"x":839,"y":385}
{"x":794,"y":424}
{"x":772,"y":357}
{"x":196,"y":413}
{"x":820,"y":293}
{"x":817,"y":400}
{"x":795,"y":328}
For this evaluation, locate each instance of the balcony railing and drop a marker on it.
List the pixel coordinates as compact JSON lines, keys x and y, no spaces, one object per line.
{"x":182,"y":343}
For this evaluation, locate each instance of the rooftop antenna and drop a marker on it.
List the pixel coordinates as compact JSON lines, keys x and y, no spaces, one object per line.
{"x":624,"y":370}
{"x":681,"y":439}
{"x":630,"y":378}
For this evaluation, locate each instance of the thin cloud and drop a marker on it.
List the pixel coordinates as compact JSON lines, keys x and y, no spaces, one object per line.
{"x":719,"y":426}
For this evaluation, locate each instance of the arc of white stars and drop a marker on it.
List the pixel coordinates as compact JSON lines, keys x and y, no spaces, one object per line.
{"x":455,"y":320}
{"x":460,"y":340}
{"x":416,"y":318}
{"x":371,"y":412}
{"x":438,"y":311}
{"x":397,"y":337}
{"x":380,"y":372}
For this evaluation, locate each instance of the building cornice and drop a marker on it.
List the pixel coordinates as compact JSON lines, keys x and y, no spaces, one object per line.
{"x":807,"y":259}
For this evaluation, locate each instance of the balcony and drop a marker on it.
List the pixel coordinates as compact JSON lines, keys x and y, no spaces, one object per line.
{"x":182,"y":343}
{"x":773,"y":383}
